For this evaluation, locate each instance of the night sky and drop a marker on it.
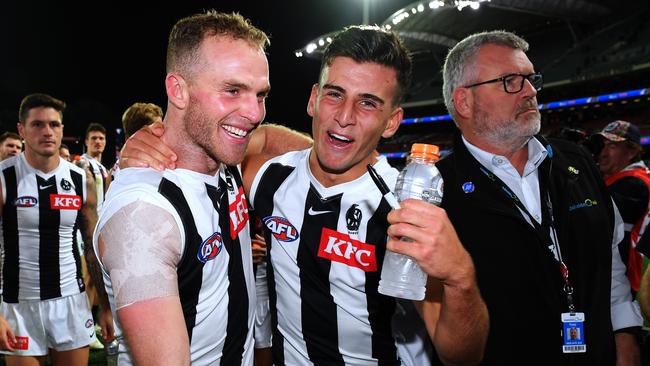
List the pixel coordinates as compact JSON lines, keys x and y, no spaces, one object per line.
{"x":101,"y":57}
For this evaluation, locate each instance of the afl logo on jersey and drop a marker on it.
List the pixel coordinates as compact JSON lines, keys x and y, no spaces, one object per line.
{"x":281,"y":228}
{"x":210,"y":248}
{"x":25,"y":201}
{"x":66,"y":185}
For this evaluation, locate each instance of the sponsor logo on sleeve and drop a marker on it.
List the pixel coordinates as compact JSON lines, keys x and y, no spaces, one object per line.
{"x":281,"y":228}
{"x":25,"y":201}
{"x":22,"y":343}
{"x":65,"y":202}
{"x":210,"y":248}
{"x":238,"y":214}
{"x":339,"y":247}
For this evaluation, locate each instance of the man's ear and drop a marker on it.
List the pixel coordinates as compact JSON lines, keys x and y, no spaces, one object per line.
{"x":463,"y":102}
{"x":177,"y":90}
{"x":21,"y":130}
{"x":394,"y":121}
{"x":313,"y":99}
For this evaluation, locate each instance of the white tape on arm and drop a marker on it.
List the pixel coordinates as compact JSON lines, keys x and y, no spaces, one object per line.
{"x":141,"y":249}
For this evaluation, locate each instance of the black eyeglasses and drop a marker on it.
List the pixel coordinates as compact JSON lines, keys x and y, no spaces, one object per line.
{"x":513,"y":83}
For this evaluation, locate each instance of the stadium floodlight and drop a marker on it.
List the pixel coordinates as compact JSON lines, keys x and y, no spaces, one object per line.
{"x":316,"y":47}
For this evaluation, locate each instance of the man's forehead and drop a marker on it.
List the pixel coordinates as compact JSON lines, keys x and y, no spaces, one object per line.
{"x":40,"y":112}
{"x":496,"y":56}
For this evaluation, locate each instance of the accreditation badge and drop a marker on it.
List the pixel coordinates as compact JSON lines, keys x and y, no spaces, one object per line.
{"x":574,"y":333}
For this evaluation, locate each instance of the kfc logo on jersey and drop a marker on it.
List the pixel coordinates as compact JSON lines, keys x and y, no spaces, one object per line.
{"x":238,"y":213}
{"x":281,"y":228}
{"x":65,"y":202}
{"x":339,"y":247}
{"x":210,"y":248}
{"x":25,"y":201}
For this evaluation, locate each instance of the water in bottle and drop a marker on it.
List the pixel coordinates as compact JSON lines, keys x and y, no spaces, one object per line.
{"x":401,"y":276}
{"x":112,"y":352}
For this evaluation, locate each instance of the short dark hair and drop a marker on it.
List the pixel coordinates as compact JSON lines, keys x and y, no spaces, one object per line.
{"x":188,"y":33}
{"x":64,"y":146}
{"x":372,"y":44}
{"x":94,"y":126}
{"x":9,"y":135}
{"x":37,"y":100}
{"x":138,"y":115}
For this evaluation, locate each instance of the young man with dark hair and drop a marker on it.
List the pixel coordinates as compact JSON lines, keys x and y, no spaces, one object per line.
{"x":10,"y":145}
{"x":95,"y":142}
{"x":64,"y":152}
{"x":44,"y":202}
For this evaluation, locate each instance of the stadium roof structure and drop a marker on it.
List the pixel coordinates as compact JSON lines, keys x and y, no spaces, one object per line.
{"x":571,"y":40}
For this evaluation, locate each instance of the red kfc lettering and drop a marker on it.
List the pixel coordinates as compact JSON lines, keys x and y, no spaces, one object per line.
{"x":238,"y":214}
{"x":339,"y":247}
{"x":65,"y":202}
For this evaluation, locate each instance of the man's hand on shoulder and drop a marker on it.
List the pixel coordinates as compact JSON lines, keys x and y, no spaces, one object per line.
{"x":145,"y":149}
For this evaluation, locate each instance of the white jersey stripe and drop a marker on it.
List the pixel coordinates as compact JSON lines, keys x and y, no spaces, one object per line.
{"x":326,"y":248}
{"x":41,"y":213}
{"x":217,"y":292}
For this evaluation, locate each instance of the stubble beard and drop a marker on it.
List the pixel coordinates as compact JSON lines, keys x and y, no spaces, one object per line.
{"x":196,"y":126}
{"x":203,"y":132}
{"x":506,"y":135}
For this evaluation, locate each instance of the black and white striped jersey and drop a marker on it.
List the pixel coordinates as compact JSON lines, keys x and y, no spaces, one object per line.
{"x":100,"y":174}
{"x":325,"y":249}
{"x":215,"y":272}
{"x":40,"y":218}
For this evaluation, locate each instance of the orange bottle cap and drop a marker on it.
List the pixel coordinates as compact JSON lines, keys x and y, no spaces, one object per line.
{"x":426,"y":150}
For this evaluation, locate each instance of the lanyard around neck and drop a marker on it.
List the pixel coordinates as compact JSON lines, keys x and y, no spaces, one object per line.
{"x":564,"y":270}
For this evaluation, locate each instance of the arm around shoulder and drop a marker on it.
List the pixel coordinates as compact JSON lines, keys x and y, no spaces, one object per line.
{"x":267,"y":142}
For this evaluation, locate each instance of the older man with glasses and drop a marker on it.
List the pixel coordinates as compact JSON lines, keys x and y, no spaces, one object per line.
{"x":535,"y":217}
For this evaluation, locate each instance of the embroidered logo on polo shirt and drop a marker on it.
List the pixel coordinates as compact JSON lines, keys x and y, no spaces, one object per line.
{"x":587,"y":203}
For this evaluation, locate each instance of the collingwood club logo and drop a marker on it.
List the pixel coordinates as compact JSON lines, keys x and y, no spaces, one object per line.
{"x":353,"y":219}
{"x":65,"y":184}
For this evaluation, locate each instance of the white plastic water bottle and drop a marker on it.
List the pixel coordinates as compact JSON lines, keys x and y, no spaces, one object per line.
{"x":401,"y":276}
